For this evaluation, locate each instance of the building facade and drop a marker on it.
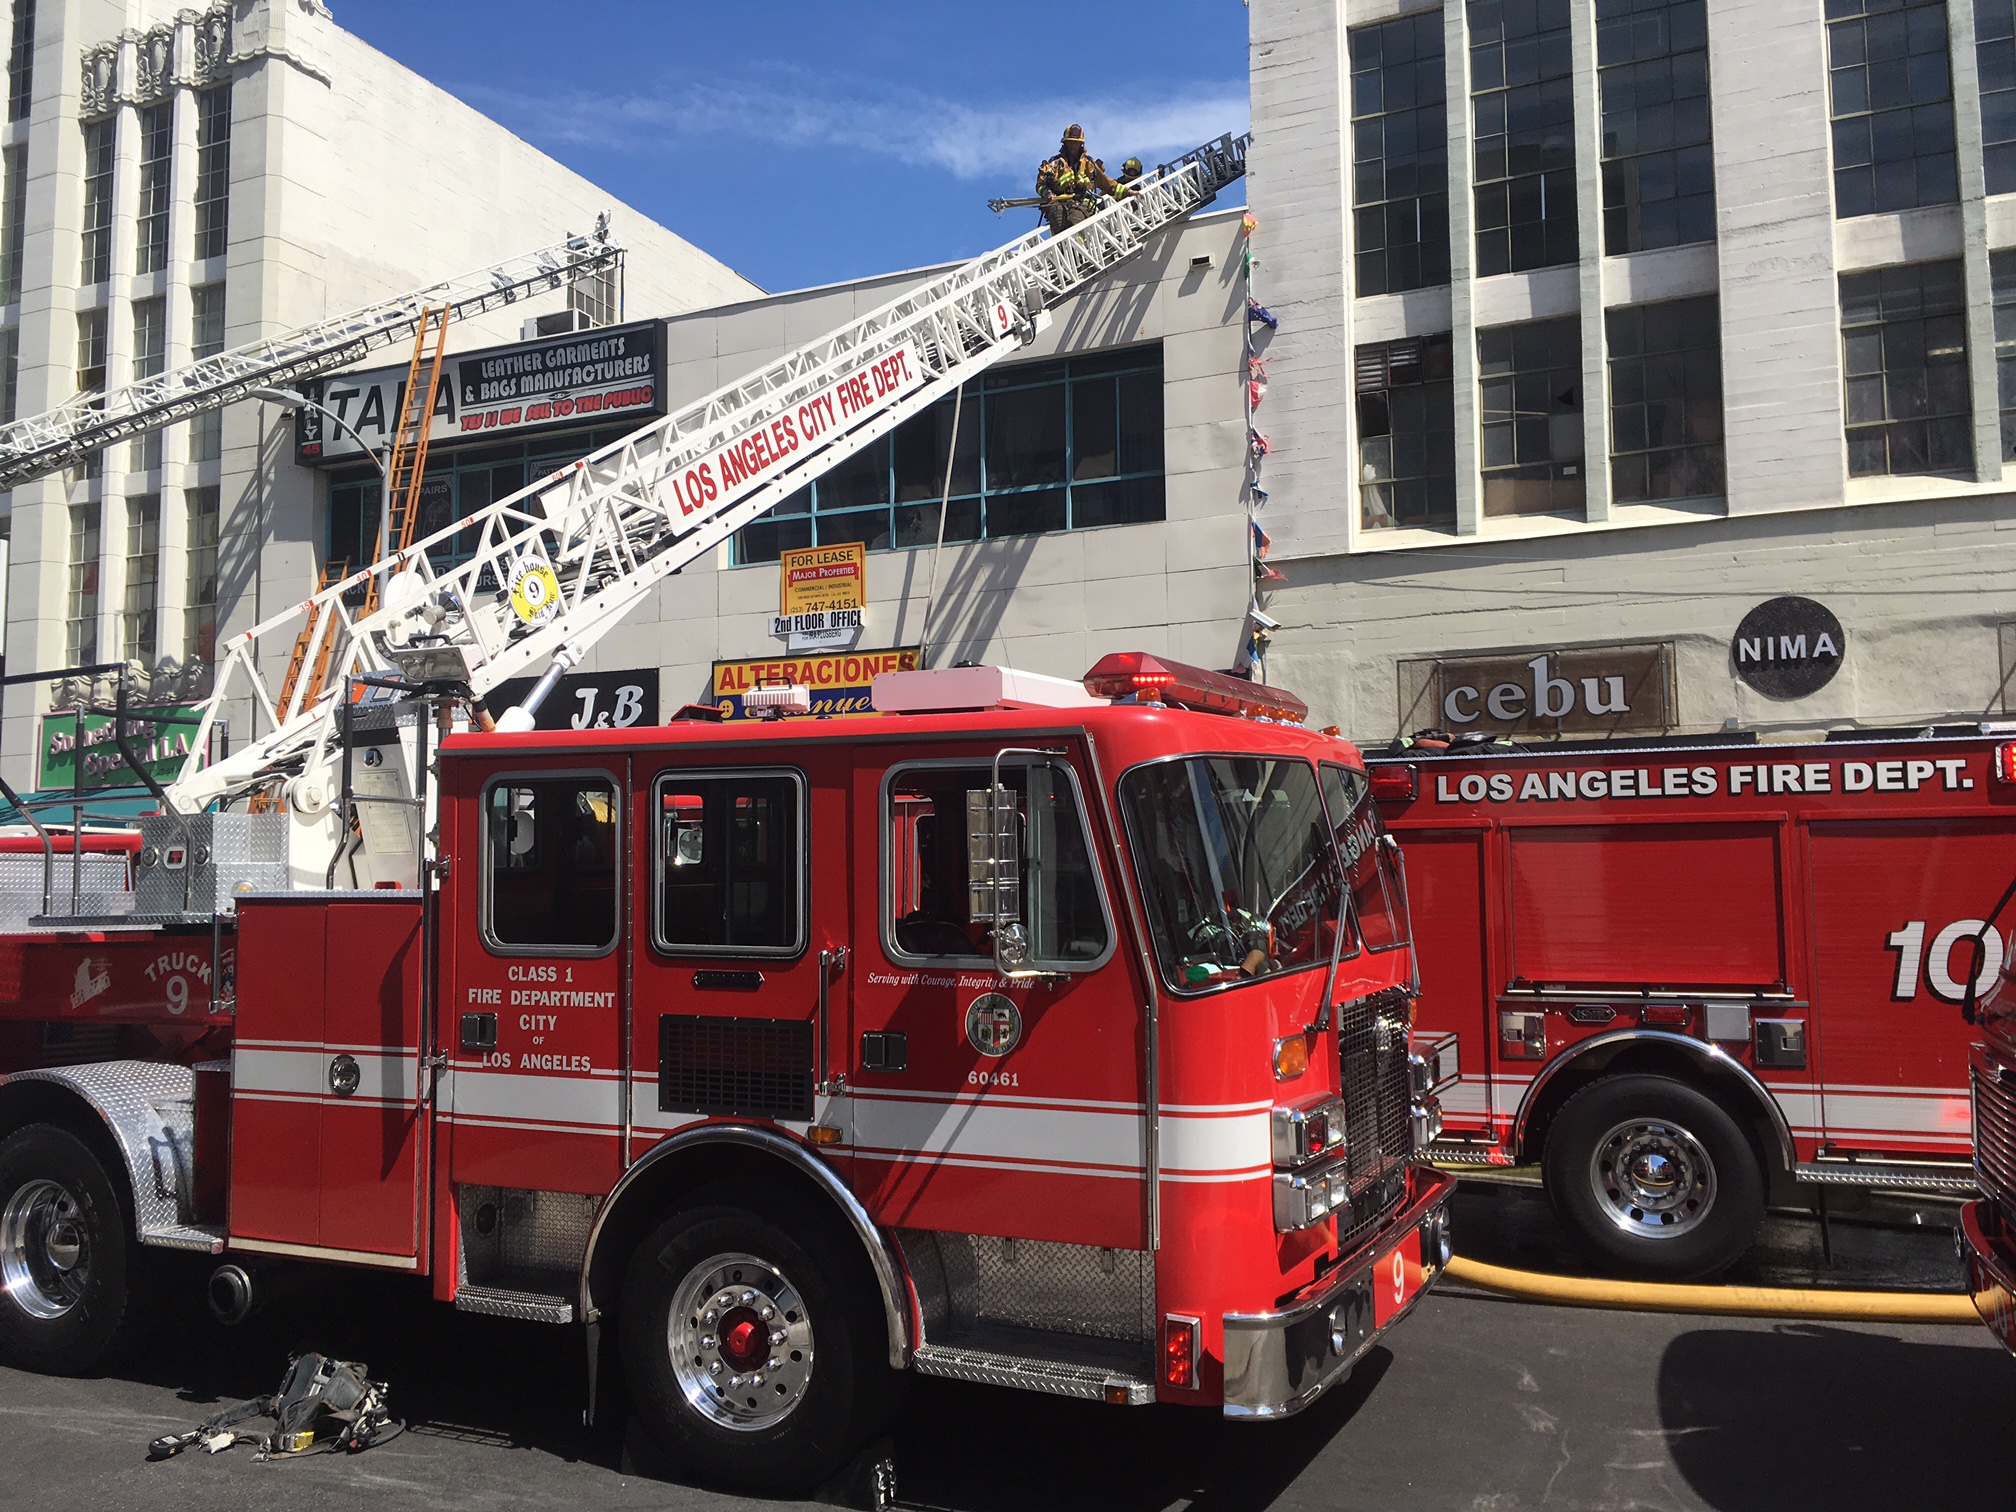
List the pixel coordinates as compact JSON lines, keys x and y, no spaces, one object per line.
{"x":1607,"y":325}
{"x":177,"y":182}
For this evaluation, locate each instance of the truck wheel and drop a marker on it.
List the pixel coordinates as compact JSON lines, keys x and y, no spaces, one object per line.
{"x":1655,"y":1176}
{"x":67,"y":1262}
{"x":754,"y":1344}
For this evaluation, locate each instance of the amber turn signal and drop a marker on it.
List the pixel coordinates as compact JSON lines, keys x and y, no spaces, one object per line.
{"x":1291,"y":1057}
{"x":820,"y":1134}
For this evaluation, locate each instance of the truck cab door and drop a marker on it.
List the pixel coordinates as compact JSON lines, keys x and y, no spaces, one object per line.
{"x":986,"y":1103}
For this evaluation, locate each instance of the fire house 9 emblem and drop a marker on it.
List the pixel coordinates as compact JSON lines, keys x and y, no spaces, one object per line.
{"x":993,"y":1024}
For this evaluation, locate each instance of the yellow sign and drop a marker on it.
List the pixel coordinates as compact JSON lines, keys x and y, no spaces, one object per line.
{"x":535,"y":591}
{"x":817,"y":578}
{"x":839,"y":684}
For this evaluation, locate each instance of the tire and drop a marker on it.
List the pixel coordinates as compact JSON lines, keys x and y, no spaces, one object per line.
{"x":68,"y":1264}
{"x":1655,"y":1177}
{"x":754,"y":1342}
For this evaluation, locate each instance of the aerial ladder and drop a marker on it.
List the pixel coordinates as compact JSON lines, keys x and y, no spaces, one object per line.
{"x":556,"y":565}
{"x":33,"y":447}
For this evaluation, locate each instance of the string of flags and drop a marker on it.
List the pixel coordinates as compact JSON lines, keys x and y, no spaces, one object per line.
{"x":1253,"y":650}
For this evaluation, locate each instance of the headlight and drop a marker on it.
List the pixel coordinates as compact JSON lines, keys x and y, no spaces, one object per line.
{"x":1308,"y":1133}
{"x":1303,"y":1199}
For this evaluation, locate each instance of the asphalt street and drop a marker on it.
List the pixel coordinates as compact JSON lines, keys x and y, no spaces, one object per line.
{"x":1474,"y":1404}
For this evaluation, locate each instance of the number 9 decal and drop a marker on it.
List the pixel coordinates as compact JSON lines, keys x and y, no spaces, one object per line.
{"x":1399,"y":1277}
{"x":178,"y":993}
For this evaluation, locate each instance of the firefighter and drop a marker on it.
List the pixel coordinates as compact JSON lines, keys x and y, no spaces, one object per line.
{"x":1068,"y":186}
{"x":1129,"y":172}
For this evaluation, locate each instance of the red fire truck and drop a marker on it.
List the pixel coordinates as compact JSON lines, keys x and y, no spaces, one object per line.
{"x":1025,"y":1032}
{"x":1688,"y":977}
{"x":1987,"y":1234}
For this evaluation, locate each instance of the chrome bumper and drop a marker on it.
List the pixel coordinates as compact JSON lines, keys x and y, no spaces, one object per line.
{"x":1277,"y":1363}
{"x":1991,"y":1273}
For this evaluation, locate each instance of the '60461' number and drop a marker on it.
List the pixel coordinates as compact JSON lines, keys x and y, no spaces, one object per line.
{"x":992,"y":1079}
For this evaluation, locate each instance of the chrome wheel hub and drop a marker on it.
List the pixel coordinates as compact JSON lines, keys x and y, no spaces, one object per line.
{"x":740,"y":1341}
{"x":45,"y":1255}
{"x":1653,"y":1179}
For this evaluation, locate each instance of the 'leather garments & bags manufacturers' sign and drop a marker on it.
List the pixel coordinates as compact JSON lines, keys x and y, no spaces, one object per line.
{"x":1583,"y":691}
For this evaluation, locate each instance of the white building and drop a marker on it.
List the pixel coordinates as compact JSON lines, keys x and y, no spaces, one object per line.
{"x":175,"y":182}
{"x":1604,"y":322}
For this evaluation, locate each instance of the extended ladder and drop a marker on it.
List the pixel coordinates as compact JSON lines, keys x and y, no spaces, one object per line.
{"x":605,"y":530}
{"x":46,"y":443}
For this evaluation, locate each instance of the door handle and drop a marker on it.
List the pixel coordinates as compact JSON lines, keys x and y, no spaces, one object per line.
{"x":830,"y":962}
{"x":344,"y":1075}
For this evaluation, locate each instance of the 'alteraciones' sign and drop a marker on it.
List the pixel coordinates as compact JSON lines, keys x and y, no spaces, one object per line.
{"x":838,"y":684}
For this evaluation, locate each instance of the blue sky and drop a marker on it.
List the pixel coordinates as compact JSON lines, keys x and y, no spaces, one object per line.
{"x":803,"y":143}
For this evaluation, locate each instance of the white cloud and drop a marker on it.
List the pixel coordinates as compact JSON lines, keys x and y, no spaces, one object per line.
{"x":969,"y":142}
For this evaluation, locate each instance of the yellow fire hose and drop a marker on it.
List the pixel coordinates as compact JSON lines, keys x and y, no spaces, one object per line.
{"x":1727,"y":1301}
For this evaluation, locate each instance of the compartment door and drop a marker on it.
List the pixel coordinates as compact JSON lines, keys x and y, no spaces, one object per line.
{"x":1445,"y":880}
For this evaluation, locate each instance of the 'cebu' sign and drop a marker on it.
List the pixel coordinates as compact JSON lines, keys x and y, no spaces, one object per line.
{"x":1587,"y":691}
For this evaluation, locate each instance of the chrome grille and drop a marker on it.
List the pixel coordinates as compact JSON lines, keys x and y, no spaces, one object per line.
{"x":1994,"y":1132}
{"x":1372,"y":1046}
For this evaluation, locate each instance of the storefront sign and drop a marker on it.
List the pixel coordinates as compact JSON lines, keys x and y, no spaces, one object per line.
{"x":823,"y":597}
{"x":587,"y":700}
{"x":610,"y":376}
{"x":839,"y":684}
{"x":1586,"y":691}
{"x":1788,"y":647}
{"x":82,"y":755}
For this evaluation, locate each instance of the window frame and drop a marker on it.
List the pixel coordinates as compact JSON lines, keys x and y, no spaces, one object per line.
{"x":1392,"y":879}
{"x":803,"y":787}
{"x":885,"y":817}
{"x":485,"y":899}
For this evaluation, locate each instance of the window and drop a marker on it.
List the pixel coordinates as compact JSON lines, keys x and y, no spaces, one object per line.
{"x":1400,"y":155}
{"x":1378,"y":901}
{"x":213,"y":172}
{"x":1532,"y":417}
{"x":10,"y":374}
{"x":1524,"y":108}
{"x":143,"y":554}
{"x":1892,"y":104}
{"x":21,"y":62}
{"x":199,"y":624}
{"x":597,"y":297}
{"x":97,"y":264}
{"x":90,"y":351}
{"x":731,"y":867}
{"x":1406,"y":435}
{"x":1904,"y":357}
{"x":550,"y":854}
{"x":80,"y":646}
{"x":156,"y":138}
{"x":150,"y":357}
{"x":1995,"y":63}
{"x":1665,"y":400}
{"x":1658,"y":167}
{"x":206,"y":307}
{"x":14,"y":211}
{"x":1238,"y":868}
{"x":355,"y":506}
{"x":946,"y":892}
{"x":1043,"y":446}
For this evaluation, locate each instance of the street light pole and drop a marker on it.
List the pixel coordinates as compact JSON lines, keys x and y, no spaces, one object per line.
{"x":290,"y":401}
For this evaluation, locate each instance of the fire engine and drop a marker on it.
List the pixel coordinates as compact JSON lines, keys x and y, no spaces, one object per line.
{"x":1044,"y":1033}
{"x":1986,"y":1238}
{"x":1691,"y":977}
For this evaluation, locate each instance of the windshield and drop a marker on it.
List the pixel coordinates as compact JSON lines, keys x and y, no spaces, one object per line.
{"x":1376,"y":895}
{"x":1237,"y":867}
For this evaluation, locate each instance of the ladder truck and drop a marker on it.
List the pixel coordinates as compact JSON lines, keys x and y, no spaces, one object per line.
{"x":999,"y":1035}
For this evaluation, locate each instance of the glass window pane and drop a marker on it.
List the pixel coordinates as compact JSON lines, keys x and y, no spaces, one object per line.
{"x":551,"y":848}
{"x":728,"y":855}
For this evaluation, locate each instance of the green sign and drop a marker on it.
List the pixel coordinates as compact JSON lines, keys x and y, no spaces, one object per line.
{"x":82,"y":752}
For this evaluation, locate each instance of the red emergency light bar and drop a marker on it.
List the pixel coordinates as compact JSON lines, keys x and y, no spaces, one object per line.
{"x":1125,"y":673}
{"x":2003,"y":762}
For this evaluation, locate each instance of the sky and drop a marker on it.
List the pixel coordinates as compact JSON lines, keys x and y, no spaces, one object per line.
{"x":804,"y":143}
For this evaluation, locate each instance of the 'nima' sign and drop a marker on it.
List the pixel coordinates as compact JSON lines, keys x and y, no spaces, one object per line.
{"x":1788,"y":647}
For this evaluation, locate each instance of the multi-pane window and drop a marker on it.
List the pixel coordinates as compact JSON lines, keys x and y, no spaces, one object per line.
{"x":1892,"y":97}
{"x":206,"y":431}
{"x":1658,"y":167}
{"x":199,"y":632}
{"x":1665,"y":400}
{"x":1042,"y":446}
{"x":80,"y":643}
{"x":1995,"y":65}
{"x":1531,"y":387}
{"x":1400,"y":155}
{"x":213,"y":171}
{"x":97,"y":260}
{"x":10,"y":374}
{"x":90,"y":350}
{"x":143,"y":567}
{"x":1904,"y":356}
{"x":150,"y":356}
{"x":21,"y":62}
{"x":1524,"y":109}
{"x":156,"y":139}
{"x":596,"y":297}
{"x":13,"y":221}
{"x":1406,"y":434}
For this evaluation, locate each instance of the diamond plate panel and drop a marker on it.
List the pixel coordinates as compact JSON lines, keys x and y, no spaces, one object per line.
{"x":102,"y":888}
{"x":977,"y":1279}
{"x":228,"y":854}
{"x":540,"y":1234}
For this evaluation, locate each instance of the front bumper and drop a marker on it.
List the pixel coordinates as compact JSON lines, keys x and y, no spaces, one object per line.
{"x":1277,"y":1363}
{"x":1991,"y":1270}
